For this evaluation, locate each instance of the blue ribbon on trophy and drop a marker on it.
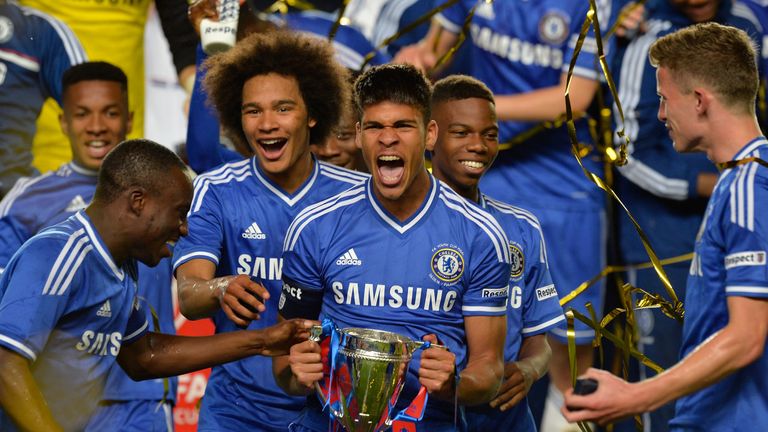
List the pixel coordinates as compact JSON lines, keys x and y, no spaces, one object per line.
{"x":366,"y":372}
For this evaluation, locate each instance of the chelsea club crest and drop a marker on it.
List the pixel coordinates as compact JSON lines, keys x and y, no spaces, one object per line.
{"x":447,"y":264}
{"x":554,"y":27}
{"x":518,"y":261}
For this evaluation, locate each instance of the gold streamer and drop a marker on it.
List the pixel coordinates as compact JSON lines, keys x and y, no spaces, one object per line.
{"x":337,"y":23}
{"x":281,"y":6}
{"x":592,"y":19}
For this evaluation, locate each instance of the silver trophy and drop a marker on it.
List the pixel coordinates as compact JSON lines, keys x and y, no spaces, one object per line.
{"x":368,"y":369}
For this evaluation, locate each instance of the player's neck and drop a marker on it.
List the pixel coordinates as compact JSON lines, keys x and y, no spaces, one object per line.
{"x":292,"y":178}
{"x":410,"y":201}
{"x":106,"y":222}
{"x":731,"y":135}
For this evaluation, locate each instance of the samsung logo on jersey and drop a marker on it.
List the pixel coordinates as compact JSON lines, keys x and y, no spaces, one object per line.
{"x":516,"y":50}
{"x":751,"y":258}
{"x":546,"y":292}
{"x":394,"y":296}
{"x":497,"y":292}
{"x":260,"y":267}
{"x":100,"y":343}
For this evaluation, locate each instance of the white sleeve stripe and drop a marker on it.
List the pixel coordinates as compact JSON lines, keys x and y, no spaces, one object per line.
{"x":493,"y":309}
{"x":28,"y":63}
{"x":202,"y":188}
{"x":747,"y":289}
{"x":544,"y":325}
{"x":446,"y":24}
{"x":68,"y":39}
{"x":17,"y":190}
{"x":517,"y":212}
{"x":73,"y":270}
{"x":654,"y":181}
{"x":196,"y":254}
{"x":481,"y":213}
{"x":223,"y":171}
{"x":137,"y":332}
{"x":497,"y":237}
{"x":299,"y":228}
{"x":501,"y":251}
{"x":68,"y":268}
{"x":742,"y":199}
{"x":339,"y":178}
{"x":352,"y":175}
{"x":16,"y":344}
{"x":309,"y":211}
{"x":60,"y":258}
{"x":631,"y":77}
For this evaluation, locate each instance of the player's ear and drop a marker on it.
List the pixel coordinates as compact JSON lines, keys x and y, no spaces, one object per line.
{"x":431,"y":135}
{"x":137,"y":199}
{"x":704,"y":99}
{"x":358,"y":136}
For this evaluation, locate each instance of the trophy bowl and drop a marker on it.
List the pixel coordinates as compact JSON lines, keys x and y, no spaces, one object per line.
{"x":368,"y":369}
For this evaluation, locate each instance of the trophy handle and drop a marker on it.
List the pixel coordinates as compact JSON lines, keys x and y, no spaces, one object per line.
{"x":318,"y":334}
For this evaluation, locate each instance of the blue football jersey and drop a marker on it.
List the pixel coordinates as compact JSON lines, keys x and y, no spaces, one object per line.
{"x":448,"y":261}
{"x":67,"y":308}
{"x":730,"y":260}
{"x":35,"y":50}
{"x":35,"y":203}
{"x":534,"y":306}
{"x":518,"y":46}
{"x":238,"y":221}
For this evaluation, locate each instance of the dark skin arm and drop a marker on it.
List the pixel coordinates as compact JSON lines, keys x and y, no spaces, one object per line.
{"x":20,"y":397}
{"x":519,"y":376}
{"x":158,"y":355}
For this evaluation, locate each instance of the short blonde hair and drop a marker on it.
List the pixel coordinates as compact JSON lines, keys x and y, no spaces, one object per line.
{"x":719,"y":57}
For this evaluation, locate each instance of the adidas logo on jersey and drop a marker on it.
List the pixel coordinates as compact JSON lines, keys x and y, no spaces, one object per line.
{"x":349,"y":258}
{"x":77,"y":204}
{"x":253,"y":232}
{"x":105,"y":310}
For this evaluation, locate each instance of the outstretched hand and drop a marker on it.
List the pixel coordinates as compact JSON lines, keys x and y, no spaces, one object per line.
{"x":279,"y":338}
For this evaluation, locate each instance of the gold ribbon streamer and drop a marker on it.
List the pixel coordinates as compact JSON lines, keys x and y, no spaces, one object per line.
{"x":337,"y":23}
{"x":592,"y":19}
{"x":281,"y":6}
{"x":571,"y":335}
{"x":732,"y":164}
{"x":460,"y":40}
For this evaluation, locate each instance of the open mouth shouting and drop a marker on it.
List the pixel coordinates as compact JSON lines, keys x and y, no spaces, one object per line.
{"x":272,"y":148}
{"x":390,"y":169}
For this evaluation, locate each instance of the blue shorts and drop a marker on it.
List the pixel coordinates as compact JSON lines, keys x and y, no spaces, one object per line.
{"x":225,"y":407}
{"x":516,"y":419}
{"x":132,"y":416}
{"x":576,"y":241}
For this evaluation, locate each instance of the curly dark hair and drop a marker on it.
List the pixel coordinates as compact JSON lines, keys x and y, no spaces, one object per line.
{"x":322,"y":81}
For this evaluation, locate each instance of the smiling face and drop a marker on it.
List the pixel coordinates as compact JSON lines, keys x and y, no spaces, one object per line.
{"x":678,"y":112}
{"x":276,"y":124}
{"x":163,"y":218}
{"x":467,"y":143}
{"x":95,"y":120}
{"x":393,"y":138}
